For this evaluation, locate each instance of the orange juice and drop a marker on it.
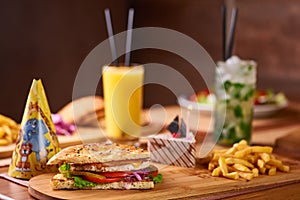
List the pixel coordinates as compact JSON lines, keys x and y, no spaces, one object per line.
{"x":123,"y":89}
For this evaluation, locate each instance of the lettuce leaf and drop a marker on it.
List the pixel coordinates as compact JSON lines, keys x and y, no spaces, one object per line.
{"x":79,"y":182}
{"x":64,"y":168}
{"x":156,"y":179}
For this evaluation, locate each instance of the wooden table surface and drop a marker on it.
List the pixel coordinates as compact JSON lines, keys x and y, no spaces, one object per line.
{"x":265,"y":132}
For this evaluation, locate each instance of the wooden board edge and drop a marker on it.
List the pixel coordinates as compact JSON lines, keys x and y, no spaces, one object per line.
{"x":38,"y":195}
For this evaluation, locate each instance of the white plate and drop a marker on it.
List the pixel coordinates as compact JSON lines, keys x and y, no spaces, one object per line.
{"x":268,"y":109}
{"x":260,"y":111}
{"x":203,"y":108}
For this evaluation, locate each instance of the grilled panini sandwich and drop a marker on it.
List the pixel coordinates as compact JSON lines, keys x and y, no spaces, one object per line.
{"x":103,"y":166}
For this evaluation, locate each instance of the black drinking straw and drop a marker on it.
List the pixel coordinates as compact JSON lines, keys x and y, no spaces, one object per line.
{"x":129,"y":36}
{"x":111,"y":37}
{"x":224,"y":20}
{"x":232,"y":31}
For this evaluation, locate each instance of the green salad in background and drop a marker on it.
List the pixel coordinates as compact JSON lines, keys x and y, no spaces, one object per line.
{"x":262,"y":97}
{"x":204,"y":96}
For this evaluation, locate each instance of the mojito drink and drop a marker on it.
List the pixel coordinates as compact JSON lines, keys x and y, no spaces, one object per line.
{"x":235,"y":89}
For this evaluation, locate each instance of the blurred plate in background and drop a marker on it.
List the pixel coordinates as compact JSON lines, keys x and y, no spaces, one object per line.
{"x":268,"y":110}
{"x":203,"y":108}
{"x":260,"y":111}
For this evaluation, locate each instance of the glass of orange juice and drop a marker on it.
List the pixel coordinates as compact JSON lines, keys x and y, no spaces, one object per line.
{"x":123,"y":99}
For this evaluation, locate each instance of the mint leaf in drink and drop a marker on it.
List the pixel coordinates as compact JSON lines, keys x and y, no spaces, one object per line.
{"x":227,"y":85}
{"x":249,"y":94}
{"x":246,"y":128}
{"x":231,"y":133}
{"x":238,"y":111}
{"x":236,"y":90}
{"x":250,"y":67}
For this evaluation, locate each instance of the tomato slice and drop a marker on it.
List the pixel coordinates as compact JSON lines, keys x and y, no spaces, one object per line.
{"x":109,"y":177}
{"x":205,"y":92}
{"x":153,"y":171}
{"x":95,"y":179}
{"x":115,"y":174}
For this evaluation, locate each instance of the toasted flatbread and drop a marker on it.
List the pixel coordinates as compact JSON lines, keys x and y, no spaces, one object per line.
{"x":78,"y":110}
{"x":98,"y":153}
{"x":90,"y":119}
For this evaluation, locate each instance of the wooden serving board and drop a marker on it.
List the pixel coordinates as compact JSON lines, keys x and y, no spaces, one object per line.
{"x":192,"y":183}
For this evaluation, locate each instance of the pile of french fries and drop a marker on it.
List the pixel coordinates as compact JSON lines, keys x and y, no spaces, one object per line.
{"x":9,"y":130}
{"x":246,"y":162}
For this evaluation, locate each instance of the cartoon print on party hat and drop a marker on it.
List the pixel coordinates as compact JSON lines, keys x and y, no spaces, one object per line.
{"x":33,"y":134}
{"x":37,"y":141}
{"x":25,"y":151}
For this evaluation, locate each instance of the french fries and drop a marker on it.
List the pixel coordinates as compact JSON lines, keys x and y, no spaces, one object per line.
{"x":9,"y":130}
{"x":246,"y":162}
{"x":231,"y":161}
{"x":246,"y":175}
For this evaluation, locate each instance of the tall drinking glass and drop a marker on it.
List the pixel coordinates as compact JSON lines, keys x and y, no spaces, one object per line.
{"x":235,"y":89}
{"x":123,"y":97}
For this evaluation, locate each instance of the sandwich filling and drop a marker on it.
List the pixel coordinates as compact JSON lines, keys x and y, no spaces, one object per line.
{"x":122,"y":165}
{"x":81,"y":179}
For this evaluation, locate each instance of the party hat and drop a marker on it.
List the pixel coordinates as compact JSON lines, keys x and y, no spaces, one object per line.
{"x":37,"y":141}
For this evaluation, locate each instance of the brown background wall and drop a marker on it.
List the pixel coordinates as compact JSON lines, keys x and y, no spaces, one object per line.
{"x":50,"y":39}
{"x":268,"y":31}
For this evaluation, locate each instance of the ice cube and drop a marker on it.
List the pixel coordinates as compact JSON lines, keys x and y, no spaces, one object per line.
{"x":237,"y":70}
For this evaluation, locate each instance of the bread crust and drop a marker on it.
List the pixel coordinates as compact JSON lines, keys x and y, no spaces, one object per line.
{"x":98,"y":153}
